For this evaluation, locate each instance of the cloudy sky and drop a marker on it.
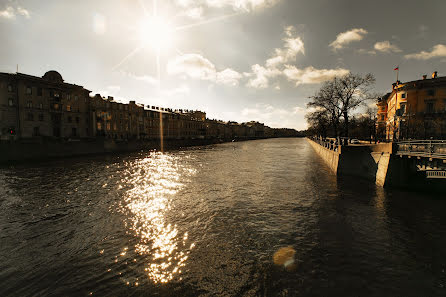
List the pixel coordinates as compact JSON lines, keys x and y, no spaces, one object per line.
{"x":235,"y":59}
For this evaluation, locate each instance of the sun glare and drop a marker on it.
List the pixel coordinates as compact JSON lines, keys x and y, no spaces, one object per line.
{"x":156,"y":32}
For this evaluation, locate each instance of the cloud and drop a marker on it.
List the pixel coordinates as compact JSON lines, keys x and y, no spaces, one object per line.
{"x":11,"y":12}
{"x":145,"y":78}
{"x":198,"y":67}
{"x":274,"y":116}
{"x":237,"y":5}
{"x":437,"y":51}
{"x":311,"y":75}
{"x":347,"y":37}
{"x":228,"y":77}
{"x":293,"y":45}
{"x":366,"y":51}
{"x":194,"y":12}
{"x":241,"y":5}
{"x":386,"y":47}
{"x":191,"y":65}
{"x":260,"y":76}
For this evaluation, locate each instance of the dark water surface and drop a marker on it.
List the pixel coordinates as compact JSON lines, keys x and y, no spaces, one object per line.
{"x":208,"y":221}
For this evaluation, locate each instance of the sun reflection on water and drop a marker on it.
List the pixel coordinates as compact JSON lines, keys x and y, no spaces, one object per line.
{"x":152,"y":182}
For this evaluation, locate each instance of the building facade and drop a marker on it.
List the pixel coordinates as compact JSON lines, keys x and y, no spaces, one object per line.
{"x":34,"y":107}
{"x":415,"y":109}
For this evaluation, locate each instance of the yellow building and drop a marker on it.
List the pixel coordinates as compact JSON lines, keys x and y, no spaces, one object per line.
{"x":414,"y":110}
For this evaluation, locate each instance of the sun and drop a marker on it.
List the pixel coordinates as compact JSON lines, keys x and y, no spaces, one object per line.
{"x":156,"y":32}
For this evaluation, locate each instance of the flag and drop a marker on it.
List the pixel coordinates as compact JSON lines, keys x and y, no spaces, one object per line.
{"x":397,"y":68}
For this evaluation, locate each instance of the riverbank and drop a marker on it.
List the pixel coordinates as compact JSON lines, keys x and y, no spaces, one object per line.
{"x":377,"y":163}
{"x":44,"y":149}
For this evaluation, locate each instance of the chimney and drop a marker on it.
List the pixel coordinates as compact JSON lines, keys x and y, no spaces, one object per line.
{"x":110,"y":98}
{"x":434,"y":75}
{"x":424,"y":76}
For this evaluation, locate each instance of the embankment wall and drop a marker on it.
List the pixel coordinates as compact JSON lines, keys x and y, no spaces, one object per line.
{"x":369,"y":162}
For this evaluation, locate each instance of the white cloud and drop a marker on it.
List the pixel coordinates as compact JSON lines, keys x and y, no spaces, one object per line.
{"x":437,"y":51}
{"x":11,"y":12}
{"x":366,"y":51}
{"x":311,"y":75}
{"x":192,"y":65}
{"x":145,"y":78}
{"x":386,"y":47}
{"x":241,"y":5}
{"x":260,"y":76}
{"x":228,"y":77}
{"x":181,"y":90}
{"x":347,"y":37}
{"x":198,"y":67}
{"x":274,"y":116}
{"x":292,"y":47}
{"x":194,"y":12}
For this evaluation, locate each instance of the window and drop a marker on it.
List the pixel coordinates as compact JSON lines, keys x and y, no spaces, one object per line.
{"x":403,"y":108}
{"x":69,"y":119}
{"x":11,"y":102}
{"x":429,"y":107}
{"x":36,"y":131}
{"x":403,"y":96}
{"x":29,"y":90}
{"x":73,"y":132}
{"x":68,"y":97}
{"x":77,"y":120}
{"x":41,"y":117}
{"x":431,"y":92}
{"x":76,"y":98}
{"x":30,"y":117}
{"x":40,"y":105}
{"x":29,"y":104}
{"x":39,"y":92}
{"x":99,"y":125}
{"x":68,"y":107}
{"x":10,"y":89}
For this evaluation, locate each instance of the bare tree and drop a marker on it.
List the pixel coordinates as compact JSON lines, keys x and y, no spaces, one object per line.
{"x":326,"y":100}
{"x":318,"y":121}
{"x":342,"y":95}
{"x":351,"y":91}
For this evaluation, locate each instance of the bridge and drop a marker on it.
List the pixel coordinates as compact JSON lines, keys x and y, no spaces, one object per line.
{"x":430,"y":155}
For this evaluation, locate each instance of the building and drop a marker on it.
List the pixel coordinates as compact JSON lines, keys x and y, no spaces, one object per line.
{"x":46,"y":107}
{"x":33,"y":106}
{"x":413,"y":110}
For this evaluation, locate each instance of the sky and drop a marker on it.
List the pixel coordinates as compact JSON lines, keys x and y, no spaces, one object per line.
{"x":237,"y":60}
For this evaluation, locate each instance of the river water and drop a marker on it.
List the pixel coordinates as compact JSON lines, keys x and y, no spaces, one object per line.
{"x":255,"y":218}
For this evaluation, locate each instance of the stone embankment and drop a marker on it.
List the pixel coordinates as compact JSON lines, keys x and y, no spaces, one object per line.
{"x":374,"y":162}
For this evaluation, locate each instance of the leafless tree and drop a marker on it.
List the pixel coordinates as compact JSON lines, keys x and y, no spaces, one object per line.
{"x":341,"y":96}
{"x":352,"y":90}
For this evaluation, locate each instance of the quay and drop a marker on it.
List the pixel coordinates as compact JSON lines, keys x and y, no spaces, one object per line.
{"x":409,"y":164}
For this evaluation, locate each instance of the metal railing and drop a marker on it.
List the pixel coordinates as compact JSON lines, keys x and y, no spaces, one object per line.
{"x":423,"y":148}
{"x":436,"y":174}
{"x":330,"y":144}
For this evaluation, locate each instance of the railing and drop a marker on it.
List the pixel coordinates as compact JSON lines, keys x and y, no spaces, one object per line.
{"x":327,"y":143}
{"x":435,"y":174}
{"x":423,"y":148}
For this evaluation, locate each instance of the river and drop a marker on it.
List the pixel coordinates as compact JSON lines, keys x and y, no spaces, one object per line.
{"x":255,"y":218}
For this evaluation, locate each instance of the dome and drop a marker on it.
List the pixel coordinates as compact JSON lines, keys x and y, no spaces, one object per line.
{"x":53,"y":76}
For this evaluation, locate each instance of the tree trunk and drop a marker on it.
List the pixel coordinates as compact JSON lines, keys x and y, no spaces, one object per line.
{"x":346,"y":124}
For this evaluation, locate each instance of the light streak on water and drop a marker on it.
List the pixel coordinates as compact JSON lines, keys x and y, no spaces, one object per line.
{"x":153,"y":183}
